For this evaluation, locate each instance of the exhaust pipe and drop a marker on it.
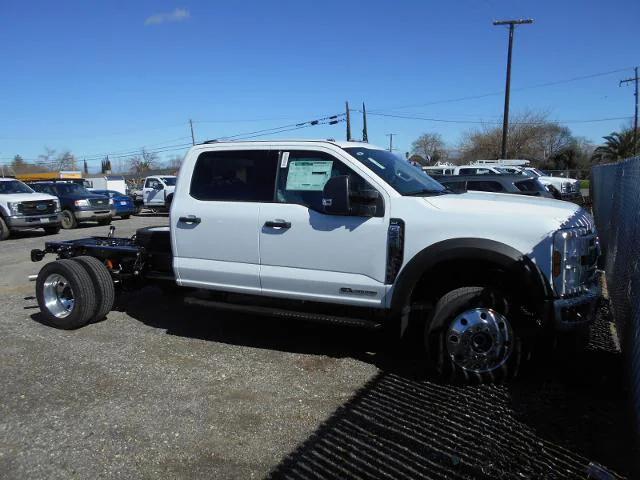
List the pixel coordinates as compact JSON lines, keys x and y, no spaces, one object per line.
{"x":33,"y":278}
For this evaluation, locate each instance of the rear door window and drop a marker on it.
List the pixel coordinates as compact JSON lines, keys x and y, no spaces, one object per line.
{"x":240,"y":176}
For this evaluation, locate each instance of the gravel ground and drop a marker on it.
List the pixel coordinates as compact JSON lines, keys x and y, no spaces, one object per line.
{"x":159,"y":390}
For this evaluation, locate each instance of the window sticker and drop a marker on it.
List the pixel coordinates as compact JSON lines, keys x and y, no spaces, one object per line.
{"x":308,"y":175}
{"x":285,"y":160}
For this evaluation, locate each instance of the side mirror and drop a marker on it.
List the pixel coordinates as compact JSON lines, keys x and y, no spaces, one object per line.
{"x":335,"y":196}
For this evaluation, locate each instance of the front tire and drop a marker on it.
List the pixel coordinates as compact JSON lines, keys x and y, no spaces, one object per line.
{"x":4,"y":230}
{"x":471,"y":336}
{"x":65,"y":294}
{"x":68,"y":220}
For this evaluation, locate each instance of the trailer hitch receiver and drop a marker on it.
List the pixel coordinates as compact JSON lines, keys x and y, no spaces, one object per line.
{"x":37,"y":255}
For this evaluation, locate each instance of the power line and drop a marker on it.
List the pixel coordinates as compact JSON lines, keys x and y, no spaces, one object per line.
{"x":519,"y":89}
{"x":483,"y":122}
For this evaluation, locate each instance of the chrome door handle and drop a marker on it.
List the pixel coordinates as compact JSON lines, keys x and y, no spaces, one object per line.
{"x":190,"y":219}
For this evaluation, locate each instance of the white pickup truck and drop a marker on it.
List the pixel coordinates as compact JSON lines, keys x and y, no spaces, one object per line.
{"x":157,"y":192}
{"x":23,"y":209}
{"x":348,"y":233}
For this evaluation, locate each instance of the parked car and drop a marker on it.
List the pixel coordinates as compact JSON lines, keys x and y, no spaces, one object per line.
{"x":123,"y":204}
{"x":77,"y":203}
{"x":158,"y":192}
{"x":22,"y":208}
{"x":348,"y":233}
{"x":503,"y":183}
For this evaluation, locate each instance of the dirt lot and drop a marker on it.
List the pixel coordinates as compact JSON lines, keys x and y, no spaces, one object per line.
{"x":163,"y":391}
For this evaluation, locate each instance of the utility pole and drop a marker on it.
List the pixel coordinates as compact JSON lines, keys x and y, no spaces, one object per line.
{"x":390,"y":135}
{"x":193,"y":138}
{"x":505,"y":117}
{"x":348,"y":122}
{"x":365,"y":133}
{"x":635,"y":117}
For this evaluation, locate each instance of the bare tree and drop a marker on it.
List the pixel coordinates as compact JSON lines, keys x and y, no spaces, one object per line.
{"x":46,"y":160}
{"x":430,"y":147}
{"x":144,"y":162}
{"x":174,"y":162}
{"x":531,"y":136}
{"x":66,"y":161}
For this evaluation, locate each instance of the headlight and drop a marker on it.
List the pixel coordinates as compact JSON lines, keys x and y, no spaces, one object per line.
{"x":565,"y":187}
{"x":111,"y":201}
{"x":567,"y":265}
{"x":57,"y":204}
{"x":81,"y":203}
{"x":14,"y":208}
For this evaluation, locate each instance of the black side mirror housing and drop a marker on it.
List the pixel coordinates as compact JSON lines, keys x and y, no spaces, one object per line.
{"x":335,"y":196}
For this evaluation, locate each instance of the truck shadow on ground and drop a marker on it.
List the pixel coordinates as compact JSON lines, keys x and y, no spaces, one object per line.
{"x":565,"y":412}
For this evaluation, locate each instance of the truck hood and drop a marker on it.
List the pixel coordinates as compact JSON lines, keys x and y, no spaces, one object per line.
{"x":25,"y":197}
{"x":556,"y":181}
{"x":515,"y":210}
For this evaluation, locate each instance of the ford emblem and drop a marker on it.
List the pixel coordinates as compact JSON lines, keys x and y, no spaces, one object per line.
{"x":41,"y":206}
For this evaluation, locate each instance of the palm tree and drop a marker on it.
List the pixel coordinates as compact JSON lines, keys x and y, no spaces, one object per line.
{"x":617,"y":146}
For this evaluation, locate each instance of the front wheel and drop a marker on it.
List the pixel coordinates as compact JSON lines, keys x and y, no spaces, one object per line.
{"x":471,"y":336}
{"x":4,"y":230}
{"x":68,"y":220}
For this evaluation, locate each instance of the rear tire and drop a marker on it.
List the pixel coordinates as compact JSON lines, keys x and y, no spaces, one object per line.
{"x":471,"y":336}
{"x":103,"y":284}
{"x":52,"y":230}
{"x":4,"y":230}
{"x":125,"y":217}
{"x":65,"y":294}
{"x":68,"y":220}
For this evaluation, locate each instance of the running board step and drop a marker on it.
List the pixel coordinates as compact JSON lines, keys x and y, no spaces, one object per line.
{"x":282,"y":313}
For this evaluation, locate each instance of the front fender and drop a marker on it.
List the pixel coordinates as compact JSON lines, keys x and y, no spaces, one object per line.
{"x":526,"y":273}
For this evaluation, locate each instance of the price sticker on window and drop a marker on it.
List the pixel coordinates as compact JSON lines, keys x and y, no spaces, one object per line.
{"x":308,"y":175}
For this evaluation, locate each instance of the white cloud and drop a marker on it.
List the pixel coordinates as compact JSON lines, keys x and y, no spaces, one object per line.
{"x":178,"y":15}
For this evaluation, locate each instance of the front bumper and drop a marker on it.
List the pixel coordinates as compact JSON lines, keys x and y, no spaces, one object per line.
{"x":18,"y":222}
{"x":102,"y":214}
{"x":576,"y":312}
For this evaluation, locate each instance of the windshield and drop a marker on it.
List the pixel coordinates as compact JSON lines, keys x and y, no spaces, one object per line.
{"x":169,"y":181}
{"x":71,"y":188}
{"x":532,"y":172}
{"x":14,"y":186}
{"x":403,"y":177}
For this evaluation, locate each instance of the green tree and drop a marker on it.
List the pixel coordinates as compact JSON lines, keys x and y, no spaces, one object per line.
{"x":617,"y":146}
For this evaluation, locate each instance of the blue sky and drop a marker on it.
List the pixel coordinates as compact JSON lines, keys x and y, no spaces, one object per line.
{"x":104,"y":77}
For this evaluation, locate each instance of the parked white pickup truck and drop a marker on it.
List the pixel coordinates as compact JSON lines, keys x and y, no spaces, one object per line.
{"x":22,"y":209}
{"x":348,"y":233}
{"x":157,"y":192}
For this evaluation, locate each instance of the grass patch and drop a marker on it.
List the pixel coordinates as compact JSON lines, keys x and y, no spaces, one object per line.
{"x":584,"y":183}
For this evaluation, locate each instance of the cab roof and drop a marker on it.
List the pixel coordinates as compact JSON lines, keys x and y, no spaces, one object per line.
{"x":339,"y":143}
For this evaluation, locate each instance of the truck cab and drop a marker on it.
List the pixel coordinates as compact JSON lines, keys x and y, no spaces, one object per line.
{"x":157,"y":191}
{"x":21,"y":208}
{"x":347,"y":232}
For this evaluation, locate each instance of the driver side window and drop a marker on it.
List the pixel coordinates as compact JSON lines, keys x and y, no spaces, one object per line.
{"x":302,"y":176}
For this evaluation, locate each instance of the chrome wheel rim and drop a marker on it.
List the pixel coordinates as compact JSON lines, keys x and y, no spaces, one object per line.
{"x":479,"y":340}
{"x":58,"y":295}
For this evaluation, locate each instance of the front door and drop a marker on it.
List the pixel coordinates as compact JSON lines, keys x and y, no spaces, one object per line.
{"x":215,"y":223}
{"x":309,"y":255}
{"x":153,"y":192}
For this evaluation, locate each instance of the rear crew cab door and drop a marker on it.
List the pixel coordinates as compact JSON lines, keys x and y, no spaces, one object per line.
{"x":315,"y":256}
{"x":214,"y":220}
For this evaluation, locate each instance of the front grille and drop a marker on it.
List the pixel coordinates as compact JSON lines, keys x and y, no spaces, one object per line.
{"x":37,"y":207}
{"x":99,"y":202}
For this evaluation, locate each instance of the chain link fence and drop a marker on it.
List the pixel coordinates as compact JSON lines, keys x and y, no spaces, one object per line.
{"x":615,"y":192}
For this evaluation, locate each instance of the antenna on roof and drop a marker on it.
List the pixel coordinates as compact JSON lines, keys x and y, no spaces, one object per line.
{"x":365,"y":134}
